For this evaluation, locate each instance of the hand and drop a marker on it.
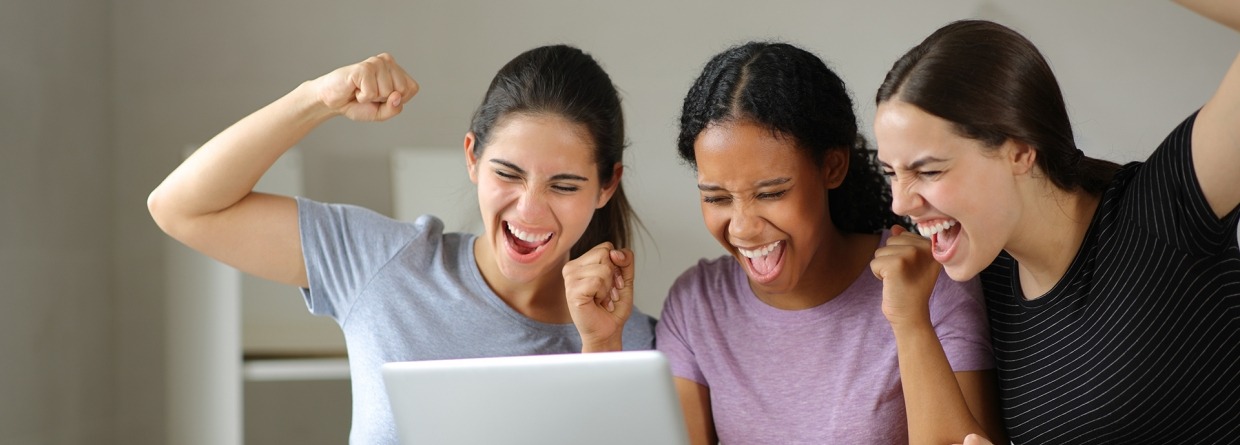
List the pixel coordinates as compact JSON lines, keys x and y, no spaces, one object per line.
{"x":974,"y":439}
{"x":908,"y":272}
{"x":372,"y":90}
{"x":599,"y":288}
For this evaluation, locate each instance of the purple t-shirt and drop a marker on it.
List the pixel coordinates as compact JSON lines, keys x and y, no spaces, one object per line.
{"x":827,"y":374}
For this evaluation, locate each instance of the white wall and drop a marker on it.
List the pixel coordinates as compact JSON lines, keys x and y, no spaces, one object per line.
{"x":95,"y":111}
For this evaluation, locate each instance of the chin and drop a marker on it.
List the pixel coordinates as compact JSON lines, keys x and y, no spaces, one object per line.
{"x":959,"y":273}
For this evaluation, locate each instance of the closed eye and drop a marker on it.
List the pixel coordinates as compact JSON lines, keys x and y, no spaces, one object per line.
{"x":716,"y":200}
{"x":772,"y":195}
{"x":506,"y":175}
{"x":565,"y":188}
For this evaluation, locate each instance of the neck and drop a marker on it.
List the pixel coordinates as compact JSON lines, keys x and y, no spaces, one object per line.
{"x":1050,"y":234}
{"x":836,"y":264}
{"x":541,"y":299}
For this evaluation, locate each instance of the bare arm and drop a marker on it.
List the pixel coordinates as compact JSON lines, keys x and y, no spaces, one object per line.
{"x":1216,"y":133}
{"x":942,"y":406}
{"x":208,"y":202}
{"x":695,"y":402}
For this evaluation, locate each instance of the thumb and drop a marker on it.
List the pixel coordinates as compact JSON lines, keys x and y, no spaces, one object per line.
{"x":626,"y":261}
{"x":897,"y":229}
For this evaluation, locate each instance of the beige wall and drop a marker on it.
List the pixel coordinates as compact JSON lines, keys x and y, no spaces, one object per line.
{"x":100,"y":97}
{"x":56,"y":175}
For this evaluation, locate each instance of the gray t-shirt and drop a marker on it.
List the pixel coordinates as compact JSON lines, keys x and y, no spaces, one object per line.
{"x":405,"y":291}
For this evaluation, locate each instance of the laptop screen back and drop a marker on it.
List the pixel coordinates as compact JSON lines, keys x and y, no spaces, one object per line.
{"x":600,"y":399}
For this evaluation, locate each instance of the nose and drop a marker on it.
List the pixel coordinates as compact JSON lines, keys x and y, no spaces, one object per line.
{"x":905,"y":201}
{"x":745,"y":224}
{"x":532,"y":205}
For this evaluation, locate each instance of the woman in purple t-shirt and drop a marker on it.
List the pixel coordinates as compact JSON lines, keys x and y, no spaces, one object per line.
{"x":784,"y":340}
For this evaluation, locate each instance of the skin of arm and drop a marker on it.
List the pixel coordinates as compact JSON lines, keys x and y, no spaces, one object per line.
{"x":1216,"y":133}
{"x":695,"y":402}
{"x":942,"y":406}
{"x":208,"y":202}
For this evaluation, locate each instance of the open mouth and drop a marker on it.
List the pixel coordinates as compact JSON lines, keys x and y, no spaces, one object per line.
{"x":943,"y":235}
{"x":525,"y":245}
{"x":764,"y":262}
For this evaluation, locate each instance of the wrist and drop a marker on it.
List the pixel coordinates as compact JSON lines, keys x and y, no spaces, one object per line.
{"x":607,"y":345}
{"x":910,"y":323}
{"x":305,"y":100}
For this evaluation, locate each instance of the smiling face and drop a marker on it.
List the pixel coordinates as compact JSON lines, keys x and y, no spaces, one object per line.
{"x":961,"y":194}
{"x":538,"y":187}
{"x":765,"y":201}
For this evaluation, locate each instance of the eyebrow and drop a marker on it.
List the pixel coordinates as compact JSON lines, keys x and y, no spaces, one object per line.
{"x":915,"y":164}
{"x":760,"y":184}
{"x":556,"y":177}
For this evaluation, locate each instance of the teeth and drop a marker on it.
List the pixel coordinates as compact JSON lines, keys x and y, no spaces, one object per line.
{"x":930,"y":230}
{"x":760,"y":252}
{"x":528,"y":237}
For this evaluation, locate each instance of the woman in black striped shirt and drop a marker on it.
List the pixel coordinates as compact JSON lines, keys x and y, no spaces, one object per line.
{"x":1113,"y":291}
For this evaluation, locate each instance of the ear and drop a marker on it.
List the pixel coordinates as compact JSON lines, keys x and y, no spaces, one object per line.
{"x":471,"y":162}
{"x":835,"y":167}
{"x":1022,"y":157}
{"x":609,"y":190}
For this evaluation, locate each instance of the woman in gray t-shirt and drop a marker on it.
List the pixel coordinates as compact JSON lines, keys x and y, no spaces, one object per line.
{"x":544,"y":149}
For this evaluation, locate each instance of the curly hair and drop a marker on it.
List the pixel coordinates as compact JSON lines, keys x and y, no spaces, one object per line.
{"x":793,"y":93}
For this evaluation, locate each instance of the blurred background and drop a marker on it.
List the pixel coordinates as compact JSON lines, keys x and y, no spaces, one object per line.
{"x":112,"y":335}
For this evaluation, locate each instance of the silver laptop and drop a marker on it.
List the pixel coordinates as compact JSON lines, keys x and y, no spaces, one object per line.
{"x":600,"y":399}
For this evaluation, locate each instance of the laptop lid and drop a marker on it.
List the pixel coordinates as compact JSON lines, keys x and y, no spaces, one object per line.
{"x":599,"y":399}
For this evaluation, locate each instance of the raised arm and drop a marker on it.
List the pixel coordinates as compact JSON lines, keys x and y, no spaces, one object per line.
{"x":208,"y":202}
{"x":942,"y":406}
{"x":1216,"y":133}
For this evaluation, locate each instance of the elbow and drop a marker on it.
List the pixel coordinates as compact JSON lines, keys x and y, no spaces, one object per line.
{"x":157,"y":203}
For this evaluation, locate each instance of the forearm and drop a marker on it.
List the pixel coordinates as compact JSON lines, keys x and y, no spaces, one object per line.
{"x":1225,"y":12}
{"x":936,"y":408}
{"x":224,"y":170}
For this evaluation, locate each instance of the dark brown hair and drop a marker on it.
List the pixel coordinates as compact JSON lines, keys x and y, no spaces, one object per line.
{"x":994,"y":85}
{"x":567,"y":82}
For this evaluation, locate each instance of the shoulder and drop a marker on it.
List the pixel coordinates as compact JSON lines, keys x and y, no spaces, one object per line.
{"x":707,"y":273}
{"x":639,"y":331}
{"x":357,"y":219}
{"x":713,"y":277}
{"x":951,"y":296}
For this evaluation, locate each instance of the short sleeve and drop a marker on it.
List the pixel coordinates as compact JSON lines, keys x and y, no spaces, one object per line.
{"x":345,"y":246}
{"x":1165,"y":198}
{"x":638,"y":332}
{"x":671,"y":336}
{"x":958,"y":312}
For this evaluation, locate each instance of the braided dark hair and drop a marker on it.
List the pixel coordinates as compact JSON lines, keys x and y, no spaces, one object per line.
{"x":794,"y":94}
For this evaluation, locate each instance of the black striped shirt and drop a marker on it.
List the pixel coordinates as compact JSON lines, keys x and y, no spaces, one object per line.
{"x":1139,"y":342}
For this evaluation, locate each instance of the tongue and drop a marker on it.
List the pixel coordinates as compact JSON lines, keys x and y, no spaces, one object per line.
{"x":765,"y":264}
{"x":946,"y":238}
{"x":521,"y":246}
